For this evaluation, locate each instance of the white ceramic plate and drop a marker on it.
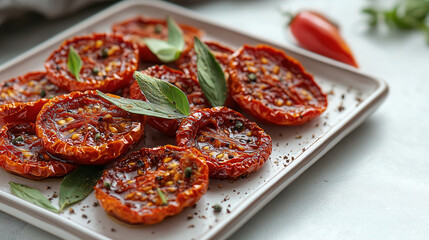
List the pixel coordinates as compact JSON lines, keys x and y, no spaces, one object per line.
{"x":352,"y":96}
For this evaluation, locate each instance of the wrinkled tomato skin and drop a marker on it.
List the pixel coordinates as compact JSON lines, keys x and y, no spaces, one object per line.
{"x":279,"y":92}
{"x":29,"y":87}
{"x":18,"y":111}
{"x":84,"y":128}
{"x":22,"y":97}
{"x":135,"y":29}
{"x":108,"y":63}
{"x":316,"y":33}
{"x":231,"y":151}
{"x":28,"y":158}
{"x":188,"y":85}
{"x":129,"y":190}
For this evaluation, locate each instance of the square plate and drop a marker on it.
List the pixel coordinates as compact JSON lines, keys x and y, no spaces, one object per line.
{"x":352,"y":97}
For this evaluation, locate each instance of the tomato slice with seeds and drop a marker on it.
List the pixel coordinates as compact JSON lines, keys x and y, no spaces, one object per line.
{"x":29,"y":87}
{"x":188,"y":85}
{"x":152,"y":184}
{"x":18,"y":111}
{"x":234,"y":146}
{"x":274,"y":87}
{"x":188,"y":60}
{"x":87,"y":129}
{"x":135,"y":29}
{"x":22,"y":153}
{"x":108,"y":63}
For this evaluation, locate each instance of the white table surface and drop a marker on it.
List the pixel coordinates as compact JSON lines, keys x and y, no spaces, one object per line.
{"x":373,"y":185}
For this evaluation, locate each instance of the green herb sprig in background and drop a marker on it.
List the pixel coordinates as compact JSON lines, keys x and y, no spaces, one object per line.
{"x":404,"y":15}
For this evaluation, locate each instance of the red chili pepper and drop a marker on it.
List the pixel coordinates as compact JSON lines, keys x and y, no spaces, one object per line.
{"x":316,"y":33}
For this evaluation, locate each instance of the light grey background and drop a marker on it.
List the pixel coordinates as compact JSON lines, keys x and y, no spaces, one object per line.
{"x":374,"y":184}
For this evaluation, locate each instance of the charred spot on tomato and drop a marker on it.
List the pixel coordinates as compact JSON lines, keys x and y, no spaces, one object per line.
{"x":95,"y":70}
{"x":188,"y":172}
{"x":229,"y":154}
{"x":238,"y":126}
{"x":158,"y":28}
{"x":252,"y":77}
{"x":151,"y":196}
{"x":105,"y":53}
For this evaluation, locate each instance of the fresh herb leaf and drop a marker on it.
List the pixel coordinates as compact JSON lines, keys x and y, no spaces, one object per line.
{"x":162,"y":196}
{"x":31,"y":195}
{"x":164,"y":51}
{"x":77,"y":185}
{"x":210,"y":75}
{"x":404,"y":15}
{"x":162,"y":93}
{"x":74,"y":63}
{"x":141,"y":107}
{"x":170,"y":50}
{"x":175,"y":34}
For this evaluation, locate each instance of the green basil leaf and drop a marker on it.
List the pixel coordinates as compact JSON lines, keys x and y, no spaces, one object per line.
{"x":210,"y":75}
{"x":162,"y":196}
{"x":145,"y":108}
{"x":164,"y":51}
{"x":31,"y":195}
{"x":162,"y":93}
{"x":77,"y":185}
{"x":170,"y":50}
{"x":74,"y":63}
{"x":175,"y":34}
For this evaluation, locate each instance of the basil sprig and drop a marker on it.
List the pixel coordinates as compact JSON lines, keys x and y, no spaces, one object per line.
{"x":31,"y":195}
{"x":404,"y":15}
{"x":77,"y":185}
{"x":74,"y":63}
{"x":210,"y":75}
{"x":170,"y":50}
{"x":164,"y":99}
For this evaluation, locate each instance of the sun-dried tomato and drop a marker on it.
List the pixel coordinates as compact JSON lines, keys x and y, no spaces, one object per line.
{"x":18,"y":111}
{"x":135,"y":29}
{"x":22,"y":153}
{"x":87,"y":129}
{"x":274,"y":87}
{"x":108,"y":63}
{"x":187,"y":84}
{"x":29,"y":87}
{"x":234,"y":146}
{"x":152,"y":184}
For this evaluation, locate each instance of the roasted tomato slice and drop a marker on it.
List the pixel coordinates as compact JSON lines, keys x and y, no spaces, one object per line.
{"x":188,"y":60}
{"x":153,"y":184}
{"x":27,"y":111}
{"x":28,"y":88}
{"x":87,"y":129}
{"x":108,"y":63}
{"x":22,"y":153}
{"x":187,"y":84}
{"x":274,"y":87}
{"x":234,"y":146}
{"x":135,"y":29}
